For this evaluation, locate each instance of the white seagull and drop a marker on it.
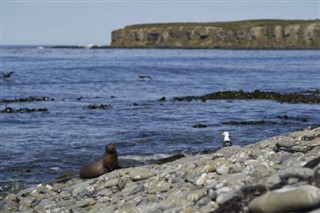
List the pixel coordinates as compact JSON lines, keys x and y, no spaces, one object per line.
{"x":226,"y":140}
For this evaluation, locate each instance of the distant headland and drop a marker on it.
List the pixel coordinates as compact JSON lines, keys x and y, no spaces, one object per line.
{"x":249,"y":34}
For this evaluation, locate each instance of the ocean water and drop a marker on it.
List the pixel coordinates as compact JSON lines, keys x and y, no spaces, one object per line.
{"x":40,"y":146}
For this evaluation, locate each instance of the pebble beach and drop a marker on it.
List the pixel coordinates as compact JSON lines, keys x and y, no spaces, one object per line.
{"x":278,"y":174}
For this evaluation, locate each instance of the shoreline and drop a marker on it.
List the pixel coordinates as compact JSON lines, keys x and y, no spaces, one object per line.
{"x":256,"y":177}
{"x":178,"y":48}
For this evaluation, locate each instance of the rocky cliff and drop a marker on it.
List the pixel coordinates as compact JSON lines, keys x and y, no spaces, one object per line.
{"x":264,"y":34}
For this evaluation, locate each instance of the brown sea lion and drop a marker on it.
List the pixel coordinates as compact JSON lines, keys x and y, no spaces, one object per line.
{"x":107,"y":163}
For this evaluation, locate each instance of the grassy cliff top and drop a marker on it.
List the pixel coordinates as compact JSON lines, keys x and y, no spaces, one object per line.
{"x":230,"y":25}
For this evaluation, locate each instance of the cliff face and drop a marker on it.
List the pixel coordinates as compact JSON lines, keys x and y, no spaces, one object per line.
{"x":266,"y":34}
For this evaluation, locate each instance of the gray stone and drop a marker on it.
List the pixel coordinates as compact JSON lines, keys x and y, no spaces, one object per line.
{"x":224,"y":197}
{"x":161,"y":186}
{"x":298,"y":172}
{"x":223,"y":169}
{"x":141,"y":173}
{"x":287,"y":200}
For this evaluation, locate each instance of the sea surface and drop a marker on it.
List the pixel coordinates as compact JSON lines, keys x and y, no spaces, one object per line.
{"x":43,"y":146}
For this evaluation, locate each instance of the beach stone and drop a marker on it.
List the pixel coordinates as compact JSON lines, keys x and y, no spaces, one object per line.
{"x":224,"y":197}
{"x":111,"y":183}
{"x":203,"y":201}
{"x":200,"y":180}
{"x":161,"y":186}
{"x":83,"y":203}
{"x":287,"y":200}
{"x":301,"y":173}
{"x":194,"y":196}
{"x":229,"y":151}
{"x":285,"y":143}
{"x":27,"y":202}
{"x":140,"y":173}
{"x":223,"y":169}
{"x":270,"y":142}
{"x":305,"y":134}
{"x":101,"y":208}
{"x":138,"y":188}
{"x":213,"y":165}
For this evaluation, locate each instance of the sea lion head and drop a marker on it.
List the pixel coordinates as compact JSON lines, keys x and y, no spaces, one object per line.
{"x":110,"y":149}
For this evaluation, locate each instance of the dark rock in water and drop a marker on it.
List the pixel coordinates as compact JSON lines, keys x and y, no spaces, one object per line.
{"x":286,"y":117}
{"x":261,"y":122}
{"x":135,"y":104}
{"x":29,"y":99}
{"x":162,"y":99}
{"x":101,"y":106}
{"x":255,"y":95}
{"x":23,"y":110}
{"x":200,"y":126}
{"x":170,"y":159}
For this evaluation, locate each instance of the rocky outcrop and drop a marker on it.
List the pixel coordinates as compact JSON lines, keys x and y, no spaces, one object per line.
{"x":279,"y":174}
{"x":261,"y":34}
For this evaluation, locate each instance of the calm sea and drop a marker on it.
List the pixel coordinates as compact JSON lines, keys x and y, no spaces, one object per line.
{"x":40,"y":146}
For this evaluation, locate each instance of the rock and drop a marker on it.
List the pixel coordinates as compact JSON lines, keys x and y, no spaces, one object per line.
{"x":287,"y":200}
{"x":140,"y":173}
{"x":224,"y":197}
{"x":301,"y":173}
{"x":197,"y":195}
{"x":223,"y":169}
{"x":213,"y":165}
{"x":161,"y":186}
{"x":305,"y":135}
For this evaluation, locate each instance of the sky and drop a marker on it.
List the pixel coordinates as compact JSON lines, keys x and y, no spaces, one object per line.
{"x":81,"y":22}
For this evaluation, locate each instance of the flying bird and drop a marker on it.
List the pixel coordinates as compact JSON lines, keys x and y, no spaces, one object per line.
{"x":145,"y":77}
{"x":6,"y":75}
{"x":226,"y":140}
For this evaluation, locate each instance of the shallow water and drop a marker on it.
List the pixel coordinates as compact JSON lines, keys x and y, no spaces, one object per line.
{"x":39,"y":146}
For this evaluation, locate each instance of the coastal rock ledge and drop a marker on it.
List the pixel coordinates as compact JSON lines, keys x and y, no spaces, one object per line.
{"x":279,"y":174}
{"x":251,"y":34}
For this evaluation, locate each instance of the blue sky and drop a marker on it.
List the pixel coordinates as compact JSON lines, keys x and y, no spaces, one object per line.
{"x":69,"y":22}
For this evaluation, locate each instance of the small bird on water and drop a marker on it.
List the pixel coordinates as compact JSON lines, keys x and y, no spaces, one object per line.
{"x":226,"y":140}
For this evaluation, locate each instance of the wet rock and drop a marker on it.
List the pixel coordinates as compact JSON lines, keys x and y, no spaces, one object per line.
{"x":256,"y":95}
{"x":261,"y":122}
{"x":23,"y":110}
{"x":286,"y":117}
{"x":101,"y":106}
{"x":28,"y":99}
{"x":162,"y":99}
{"x":199,"y":126}
{"x":287,"y":200}
{"x":170,"y":159}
